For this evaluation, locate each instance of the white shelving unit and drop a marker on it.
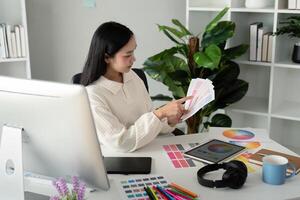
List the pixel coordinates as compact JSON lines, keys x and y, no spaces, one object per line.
{"x":273,"y":99}
{"x":13,"y":12}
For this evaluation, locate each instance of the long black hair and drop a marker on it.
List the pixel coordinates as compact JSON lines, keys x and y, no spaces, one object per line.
{"x":107,"y":40}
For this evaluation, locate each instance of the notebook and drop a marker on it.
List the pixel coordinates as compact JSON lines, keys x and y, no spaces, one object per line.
{"x":257,"y":158}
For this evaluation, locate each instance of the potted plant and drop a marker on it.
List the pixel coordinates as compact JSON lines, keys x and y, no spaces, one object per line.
{"x":292,"y":27}
{"x":176,"y":66}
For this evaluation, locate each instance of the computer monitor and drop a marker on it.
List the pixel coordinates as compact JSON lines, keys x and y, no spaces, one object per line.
{"x":59,"y":136}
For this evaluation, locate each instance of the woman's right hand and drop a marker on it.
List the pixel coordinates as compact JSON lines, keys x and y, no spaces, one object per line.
{"x":172,"y":111}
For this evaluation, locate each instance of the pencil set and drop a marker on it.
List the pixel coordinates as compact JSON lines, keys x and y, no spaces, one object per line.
{"x":174,"y":192}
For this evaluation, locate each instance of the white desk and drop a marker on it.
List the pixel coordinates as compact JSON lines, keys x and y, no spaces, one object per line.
{"x":254,"y":188}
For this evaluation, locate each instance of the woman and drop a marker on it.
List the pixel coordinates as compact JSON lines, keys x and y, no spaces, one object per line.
{"x":121,"y":106}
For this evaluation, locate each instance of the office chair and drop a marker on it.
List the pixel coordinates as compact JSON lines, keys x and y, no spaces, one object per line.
{"x":76,"y":80}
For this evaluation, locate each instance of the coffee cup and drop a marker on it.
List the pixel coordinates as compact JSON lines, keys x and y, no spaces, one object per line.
{"x":275,"y":169}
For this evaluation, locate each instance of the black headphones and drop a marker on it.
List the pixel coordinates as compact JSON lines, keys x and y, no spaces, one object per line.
{"x":234,"y":176}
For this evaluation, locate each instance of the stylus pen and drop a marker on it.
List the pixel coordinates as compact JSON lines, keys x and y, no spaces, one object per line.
{"x":164,"y":192}
{"x":150,"y":195}
{"x":160,"y":193}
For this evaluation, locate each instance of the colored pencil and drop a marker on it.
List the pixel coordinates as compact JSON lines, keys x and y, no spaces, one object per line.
{"x":151,"y":197}
{"x":164,"y":192}
{"x":160,"y":193}
{"x":184,"y":190}
{"x":153,"y":193}
{"x":180,"y":194}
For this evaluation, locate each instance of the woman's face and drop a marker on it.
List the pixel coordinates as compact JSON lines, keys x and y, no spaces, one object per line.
{"x":123,"y":60}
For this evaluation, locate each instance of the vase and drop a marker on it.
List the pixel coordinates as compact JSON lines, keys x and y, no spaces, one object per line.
{"x":296,"y":53}
{"x":258,"y":3}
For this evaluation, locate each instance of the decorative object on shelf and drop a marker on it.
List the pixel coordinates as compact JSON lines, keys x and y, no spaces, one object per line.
{"x":259,"y":4}
{"x":77,"y":193}
{"x":292,"y":27}
{"x":177,"y":66}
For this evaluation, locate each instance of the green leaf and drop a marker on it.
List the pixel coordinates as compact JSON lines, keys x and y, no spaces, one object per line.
{"x":220,"y":120}
{"x":219,"y":34}
{"x":231,"y":93}
{"x":182,"y":27}
{"x":214,"y":22}
{"x":235,"y":52}
{"x":227,"y":74}
{"x":210,"y":58}
{"x":161,"y":97}
{"x":174,"y":31}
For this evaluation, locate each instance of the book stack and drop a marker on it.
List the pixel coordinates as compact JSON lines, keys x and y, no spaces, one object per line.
{"x":261,"y":43}
{"x":12,"y":41}
{"x":257,"y":158}
{"x":294,"y":4}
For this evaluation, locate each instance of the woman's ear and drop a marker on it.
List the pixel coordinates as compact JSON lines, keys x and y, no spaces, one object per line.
{"x":106,"y":58}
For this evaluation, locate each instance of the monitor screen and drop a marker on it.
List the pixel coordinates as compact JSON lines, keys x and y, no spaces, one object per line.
{"x":59,"y":137}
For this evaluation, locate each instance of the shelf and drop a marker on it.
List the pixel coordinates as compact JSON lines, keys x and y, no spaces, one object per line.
{"x":247,"y":62}
{"x":287,"y":110}
{"x":13,"y":60}
{"x":205,"y":9}
{"x":247,"y":10}
{"x":288,"y":11}
{"x":251,"y":105}
{"x":287,"y":64}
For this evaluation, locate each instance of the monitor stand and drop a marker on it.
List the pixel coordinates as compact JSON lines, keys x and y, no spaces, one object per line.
{"x":11,"y":166}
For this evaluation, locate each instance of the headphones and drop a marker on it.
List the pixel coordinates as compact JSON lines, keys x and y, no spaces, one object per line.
{"x":234,"y":176}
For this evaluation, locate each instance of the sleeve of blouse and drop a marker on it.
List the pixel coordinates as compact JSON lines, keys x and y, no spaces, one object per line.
{"x":112,"y":133}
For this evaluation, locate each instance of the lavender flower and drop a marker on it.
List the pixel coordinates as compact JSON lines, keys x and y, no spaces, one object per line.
{"x":75,"y":182}
{"x":54,"y":198}
{"x":81,"y":191}
{"x":63,"y":186}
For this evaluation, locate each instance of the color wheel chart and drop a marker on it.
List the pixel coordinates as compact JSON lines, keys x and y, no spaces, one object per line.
{"x":238,"y":134}
{"x":133,"y":188}
{"x":174,"y":152}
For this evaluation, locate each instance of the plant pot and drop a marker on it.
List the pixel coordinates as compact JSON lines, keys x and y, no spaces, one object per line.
{"x":296,"y":53}
{"x":258,"y":3}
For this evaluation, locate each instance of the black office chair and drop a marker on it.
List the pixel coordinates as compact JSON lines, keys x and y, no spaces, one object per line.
{"x":76,"y":80}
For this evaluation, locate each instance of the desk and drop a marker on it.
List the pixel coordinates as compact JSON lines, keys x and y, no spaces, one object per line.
{"x":254,"y":188}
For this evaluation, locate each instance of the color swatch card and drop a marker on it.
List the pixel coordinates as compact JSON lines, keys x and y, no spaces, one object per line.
{"x":133,"y":189}
{"x":202,"y":91}
{"x":175,"y":154}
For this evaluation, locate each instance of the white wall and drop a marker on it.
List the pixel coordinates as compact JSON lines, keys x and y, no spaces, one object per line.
{"x":60,"y":32}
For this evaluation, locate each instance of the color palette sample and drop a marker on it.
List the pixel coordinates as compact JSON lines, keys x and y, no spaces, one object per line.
{"x":244,"y":158}
{"x":248,"y":145}
{"x":219,"y":148}
{"x":238,"y":134}
{"x":174,"y":152}
{"x":133,"y":189}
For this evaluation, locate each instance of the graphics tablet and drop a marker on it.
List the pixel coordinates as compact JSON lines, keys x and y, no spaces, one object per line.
{"x":214,"y":151}
{"x":128,"y":165}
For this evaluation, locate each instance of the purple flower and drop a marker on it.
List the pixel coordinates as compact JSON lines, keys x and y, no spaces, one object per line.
{"x":56,"y":185}
{"x":54,"y":198}
{"x":81,"y":191}
{"x":75,"y":182}
{"x":63,"y":188}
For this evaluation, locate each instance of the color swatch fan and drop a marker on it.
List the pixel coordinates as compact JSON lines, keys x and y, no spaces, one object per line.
{"x":202,"y":91}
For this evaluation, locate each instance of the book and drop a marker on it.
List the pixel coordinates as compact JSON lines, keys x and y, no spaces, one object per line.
{"x":257,"y":158}
{"x":292,"y":4}
{"x":18,"y":41}
{"x":8,"y":39}
{"x":2,"y":44}
{"x":13,"y":45}
{"x":253,"y":39}
{"x":23,"y":41}
{"x":298,"y":4}
{"x":270,"y":47}
{"x":265,"y":47}
{"x":260,"y":33}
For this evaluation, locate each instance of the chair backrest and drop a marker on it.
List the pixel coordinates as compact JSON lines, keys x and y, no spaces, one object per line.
{"x":76,"y":78}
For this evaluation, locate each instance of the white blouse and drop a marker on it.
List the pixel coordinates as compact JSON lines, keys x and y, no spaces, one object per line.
{"x":123,"y":113}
